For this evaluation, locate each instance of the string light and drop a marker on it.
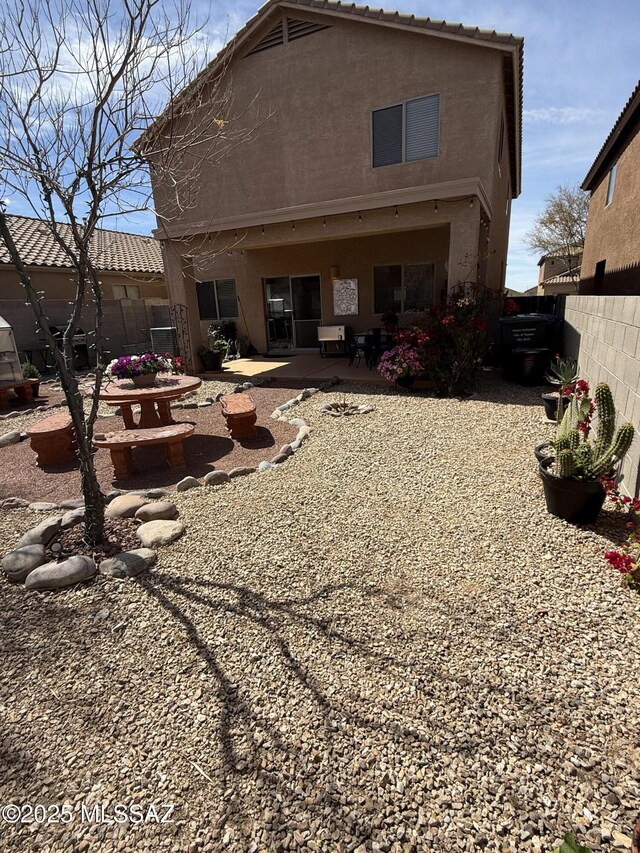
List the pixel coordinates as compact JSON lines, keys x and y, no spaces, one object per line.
{"x":435,"y":207}
{"x":396,"y":211}
{"x":359,"y":217}
{"x":324,"y":221}
{"x":263,"y":230}
{"x":293,"y":225}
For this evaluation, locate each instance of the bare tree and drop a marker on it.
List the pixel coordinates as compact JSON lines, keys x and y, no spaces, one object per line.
{"x":560,"y":229}
{"x":80,"y":81}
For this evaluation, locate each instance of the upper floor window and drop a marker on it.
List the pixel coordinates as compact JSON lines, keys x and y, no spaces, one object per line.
{"x":612,"y":184}
{"x":217,"y":300}
{"x":407,"y":131}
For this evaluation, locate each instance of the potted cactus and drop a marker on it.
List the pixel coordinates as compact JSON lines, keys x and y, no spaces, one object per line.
{"x":563,"y":375}
{"x":572,"y":480}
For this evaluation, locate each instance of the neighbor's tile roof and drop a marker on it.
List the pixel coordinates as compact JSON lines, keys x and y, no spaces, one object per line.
{"x":114,"y":250}
{"x":620,"y":134}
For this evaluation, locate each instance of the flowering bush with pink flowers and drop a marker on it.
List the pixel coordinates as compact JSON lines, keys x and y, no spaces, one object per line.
{"x":404,"y":360}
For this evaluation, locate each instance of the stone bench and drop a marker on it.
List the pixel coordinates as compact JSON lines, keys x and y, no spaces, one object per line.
{"x":53,"y":440}
{"x":239,"y":411}
{"x":22,"y":389}
{"x":121,"y":443}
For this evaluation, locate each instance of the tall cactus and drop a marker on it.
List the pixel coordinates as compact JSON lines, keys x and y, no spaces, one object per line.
{"x":576,"y":456}
{"x":606,"y":418}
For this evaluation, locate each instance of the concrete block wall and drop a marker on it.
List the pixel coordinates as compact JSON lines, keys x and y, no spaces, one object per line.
{"x":603,"y":334}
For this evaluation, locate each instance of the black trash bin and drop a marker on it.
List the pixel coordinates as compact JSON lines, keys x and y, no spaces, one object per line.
{"x":527,"y":343}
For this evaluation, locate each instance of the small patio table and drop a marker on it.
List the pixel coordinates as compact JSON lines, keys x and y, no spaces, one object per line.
{"x":154,"y":400}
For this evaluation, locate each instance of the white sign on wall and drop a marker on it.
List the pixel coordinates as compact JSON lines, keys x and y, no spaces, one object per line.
{"x":345,"y":297}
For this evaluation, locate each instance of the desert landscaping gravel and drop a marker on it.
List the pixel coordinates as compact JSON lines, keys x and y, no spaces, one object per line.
{"x":385,"y":643}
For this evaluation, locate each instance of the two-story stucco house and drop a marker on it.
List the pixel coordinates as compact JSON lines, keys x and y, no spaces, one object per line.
{"x":611,"y":261}
{"x":385,"y":157}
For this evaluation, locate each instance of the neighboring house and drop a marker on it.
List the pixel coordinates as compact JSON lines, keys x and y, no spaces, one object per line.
{"x":611,"y":262}
{"x":557,"y":275}
{"x":381,"y":173}
{"x":130,"y":265}
{"x":131,"y":272}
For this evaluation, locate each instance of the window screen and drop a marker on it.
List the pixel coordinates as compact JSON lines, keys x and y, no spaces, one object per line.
{"x":418,"y":287}
{"x":422,"y":128}
{"x":387,"y":136}
{"x":227,"y":299}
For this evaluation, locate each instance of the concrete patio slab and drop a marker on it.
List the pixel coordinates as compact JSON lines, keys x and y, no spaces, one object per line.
{"x":312,"y":369}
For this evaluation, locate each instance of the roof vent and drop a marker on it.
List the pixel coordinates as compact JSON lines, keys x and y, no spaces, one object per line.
{"x":272,"y":39}
{"x":298,"y":29}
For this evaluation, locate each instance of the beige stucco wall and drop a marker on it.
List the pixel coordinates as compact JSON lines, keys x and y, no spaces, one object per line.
{"x":60,"y":284}
{"x":612,"y":232}
{"x":311,"y":101}
{"x":354,"y":258}
{"x":603,"y":333}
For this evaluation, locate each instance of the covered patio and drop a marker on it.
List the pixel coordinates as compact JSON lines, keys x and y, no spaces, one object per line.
{"x":310,"y":368}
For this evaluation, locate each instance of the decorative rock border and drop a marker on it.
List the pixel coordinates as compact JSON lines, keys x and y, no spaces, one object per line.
{"x":27,"y":562}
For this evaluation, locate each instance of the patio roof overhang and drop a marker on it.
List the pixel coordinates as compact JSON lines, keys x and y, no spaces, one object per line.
{"x":469,"y":188}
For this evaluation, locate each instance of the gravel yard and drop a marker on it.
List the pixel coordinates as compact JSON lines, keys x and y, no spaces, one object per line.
{"x":384,"y":644}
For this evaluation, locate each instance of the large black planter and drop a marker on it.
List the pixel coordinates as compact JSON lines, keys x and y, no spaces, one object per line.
{"x":577,"y":501}
{"x":405,"y":382}
{"x":550,"y":403}
{"x":211,"y":361}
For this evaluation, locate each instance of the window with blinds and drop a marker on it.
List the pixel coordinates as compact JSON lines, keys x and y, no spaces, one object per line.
{"x":217,"y":300}
{"x":403,"y":288}
{"x":406,"y":132}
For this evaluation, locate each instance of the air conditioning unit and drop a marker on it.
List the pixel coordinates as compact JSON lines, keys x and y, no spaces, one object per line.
{"x":165,"y":340}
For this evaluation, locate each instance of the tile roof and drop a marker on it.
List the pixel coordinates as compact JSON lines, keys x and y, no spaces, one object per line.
{"x":619,"y":136}
{"x":114,"y":250}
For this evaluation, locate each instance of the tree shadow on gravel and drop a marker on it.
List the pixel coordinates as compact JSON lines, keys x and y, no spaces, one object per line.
{"x":262,"y":612}
{"x":239,"y":719}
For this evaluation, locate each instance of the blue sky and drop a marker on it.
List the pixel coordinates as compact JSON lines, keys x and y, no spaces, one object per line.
{"x":580,"y":67}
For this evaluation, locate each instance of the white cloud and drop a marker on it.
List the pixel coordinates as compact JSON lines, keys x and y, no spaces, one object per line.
{"x":563,"y":115}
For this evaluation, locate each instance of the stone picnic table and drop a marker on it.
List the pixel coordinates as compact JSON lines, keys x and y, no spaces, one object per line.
{"x":154,"y":400}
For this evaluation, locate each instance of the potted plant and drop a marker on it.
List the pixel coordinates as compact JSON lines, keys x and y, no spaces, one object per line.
{"x":405,"y":361}
{"x":564,"y":375}
{"x":141,"y":369}
{"x":572,"y":480}
{"x":30,"y":371}
{"x":213,"y":353}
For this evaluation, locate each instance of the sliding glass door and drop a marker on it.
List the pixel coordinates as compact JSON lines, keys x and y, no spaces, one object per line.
{"x":293,"y":311}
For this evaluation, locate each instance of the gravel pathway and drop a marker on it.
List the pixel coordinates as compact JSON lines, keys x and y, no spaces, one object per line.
{"x":384,"y":644}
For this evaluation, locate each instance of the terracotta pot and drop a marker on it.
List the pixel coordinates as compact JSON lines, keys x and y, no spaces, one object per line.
{"x":144,"y":380}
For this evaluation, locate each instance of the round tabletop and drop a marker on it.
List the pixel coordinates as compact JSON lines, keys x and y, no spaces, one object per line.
{"x":165,"y":387}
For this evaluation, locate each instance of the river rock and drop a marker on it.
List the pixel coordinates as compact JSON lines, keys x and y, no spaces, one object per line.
{"x":279,"y":458}
{"x":215,"y":478}
{"x":125,"y":506}
{"x":19,"y":564}
{"x":128,"y":564}
{"x":286,"y":450}
{"x":72,"y":503}
{"x":158,"y":511}
{"x":8,"y":438}
{"x":66,"y":573}
{"x":42,"y":533}
{"x":152,"y":534}
{"x":14,"y":503}
{"x":71,"y":518}
{"x":265,"y":466}
{"x":241,"y":471}
{"x":43,"y":506}
{"x":187,"y":483}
